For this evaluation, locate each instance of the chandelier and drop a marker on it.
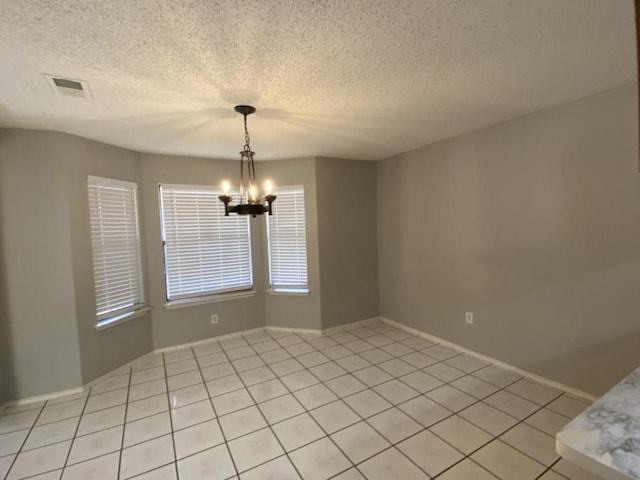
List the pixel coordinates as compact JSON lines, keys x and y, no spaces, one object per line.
{"x":250,"y":201}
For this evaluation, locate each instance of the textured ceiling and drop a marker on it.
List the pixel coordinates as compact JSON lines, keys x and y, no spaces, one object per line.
{"x":357,"y":79}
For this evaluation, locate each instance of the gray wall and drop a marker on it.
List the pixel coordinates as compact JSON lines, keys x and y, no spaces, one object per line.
{"x":100,"y":351}
{"x":38,"y":279}
{"x":298,"y":311}
{"x":533,"y":225}
{"x":189,"y":324}
{"x":348,"y":240}
{"x":48,"y":336}
{"x":7,"y":376}
{"x":48,"y":340}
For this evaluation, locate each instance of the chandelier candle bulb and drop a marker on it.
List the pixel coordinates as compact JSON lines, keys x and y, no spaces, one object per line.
{"x":268,"y":187}
{"x":226,"y":187}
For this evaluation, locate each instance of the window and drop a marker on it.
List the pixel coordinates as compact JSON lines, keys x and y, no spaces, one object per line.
{"x":205,"y":253}
{"x":115,"y":241}
{"x":288,"y":242}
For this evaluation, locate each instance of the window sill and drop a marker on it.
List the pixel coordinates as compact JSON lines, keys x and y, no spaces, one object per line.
{"x":118,"y":319}
{"x":290,"y":291}
{"x":191,"y":302}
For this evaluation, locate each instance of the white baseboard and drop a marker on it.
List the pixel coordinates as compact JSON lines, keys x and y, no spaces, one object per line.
{"x":311,"y":331}
{"x":93,"y":383}
{"x":173,"y":348}
{"x":351,"y":325}
{"x":274,"y":328}
{"x":206,"y":341}
{"x":347,"y":326}
{"x":324,"y":331}
{"x":533,"y":376}
{"x":41,"y":398}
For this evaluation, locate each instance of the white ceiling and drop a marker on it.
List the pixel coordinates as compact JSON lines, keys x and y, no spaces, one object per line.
{"x":356,"y":79}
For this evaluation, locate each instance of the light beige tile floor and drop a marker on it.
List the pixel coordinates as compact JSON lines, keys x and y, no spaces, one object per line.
{"x":364,"y":402}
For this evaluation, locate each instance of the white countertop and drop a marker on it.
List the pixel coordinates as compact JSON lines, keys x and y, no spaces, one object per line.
{"x":605,"y":438}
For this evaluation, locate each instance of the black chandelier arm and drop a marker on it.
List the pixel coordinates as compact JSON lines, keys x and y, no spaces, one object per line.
{"x":226,"y":199}
{"x":270,"y":199}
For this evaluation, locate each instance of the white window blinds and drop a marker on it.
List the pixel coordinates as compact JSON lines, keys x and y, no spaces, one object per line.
{"x":205,"y":252}
{"x":115,"y":243}
{"x":287,"y":238}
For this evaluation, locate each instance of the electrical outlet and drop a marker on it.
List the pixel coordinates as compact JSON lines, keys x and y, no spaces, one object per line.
{"x":469,"y":318}
{"x":214,"y":319}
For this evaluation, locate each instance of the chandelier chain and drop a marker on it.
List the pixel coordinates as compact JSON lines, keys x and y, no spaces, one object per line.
{"x":247,"y":146}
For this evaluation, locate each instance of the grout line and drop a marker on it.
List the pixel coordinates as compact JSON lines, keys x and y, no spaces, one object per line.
{"x":496,"y":437}
{"x":547,"y":382}
{"x":549,"y":468}
{"x":262,"y":413}
{"x":308,"y":413}
{"x":419,"y":394}
{"x":36,"y":406}
{"x":481,"y":400}
{"x":391,"y":444}
{"x":453,"y":414}
{"x":40,"y":407}
{"x":215,"y":413}
{"x":323,"y":383}
{"x":35,"y":421}
{"x":97,"y":456}
{"x":341,"y":399}
{"x":75,"y":433}
{"x":283,"y":420}
{"x":173,"y":440}
{"x":254,"y":400}
{"x":124,"y":422}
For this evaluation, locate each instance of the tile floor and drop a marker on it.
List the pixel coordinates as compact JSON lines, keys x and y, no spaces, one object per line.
{"x":370,"y":402}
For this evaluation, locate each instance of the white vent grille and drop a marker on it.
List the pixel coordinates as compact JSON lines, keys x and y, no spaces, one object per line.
{"x":69,"y":87}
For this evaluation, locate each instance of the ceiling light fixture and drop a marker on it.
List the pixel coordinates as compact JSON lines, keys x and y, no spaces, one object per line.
{"x":250,"y":201}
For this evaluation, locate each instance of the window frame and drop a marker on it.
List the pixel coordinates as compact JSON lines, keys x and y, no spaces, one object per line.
{"x":208,"y":296}
{"x":283,"y":289}
{"x":110,"y":317}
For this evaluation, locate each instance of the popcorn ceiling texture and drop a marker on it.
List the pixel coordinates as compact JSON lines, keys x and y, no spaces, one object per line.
{"x":357,"y":79}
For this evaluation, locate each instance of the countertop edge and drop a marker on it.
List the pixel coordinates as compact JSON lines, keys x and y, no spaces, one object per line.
{"x":588,"y":463}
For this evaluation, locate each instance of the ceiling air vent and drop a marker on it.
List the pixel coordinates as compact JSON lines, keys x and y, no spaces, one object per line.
{"x":70,"y":87}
